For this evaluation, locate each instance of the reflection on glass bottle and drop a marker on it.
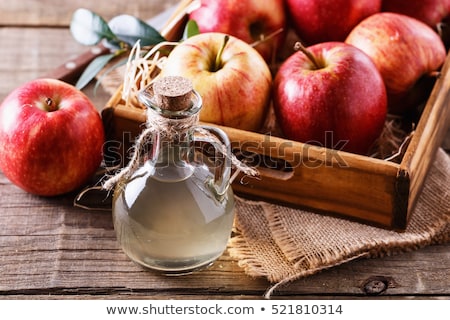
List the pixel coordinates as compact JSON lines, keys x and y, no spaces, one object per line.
{"x":175,"y":212}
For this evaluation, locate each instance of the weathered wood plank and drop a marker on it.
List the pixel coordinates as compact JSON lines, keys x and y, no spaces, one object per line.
{"x":49,"y":247}
{"x":29,"y":53}
{"x":53,"y":13}
{"x":115,"y":297}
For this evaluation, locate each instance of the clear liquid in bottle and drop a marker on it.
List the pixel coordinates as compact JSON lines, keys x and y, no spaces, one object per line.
{"x":174,"y":226}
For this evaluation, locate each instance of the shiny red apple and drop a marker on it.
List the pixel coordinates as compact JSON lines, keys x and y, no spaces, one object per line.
{"x":232,"y":78}
{"x":404,"y":50}
{"x":248,"y":20}
{"x":328,"y":20}
{"x":333,"y":96}
{"x":51,"y":137}
{"x":431,"y":12}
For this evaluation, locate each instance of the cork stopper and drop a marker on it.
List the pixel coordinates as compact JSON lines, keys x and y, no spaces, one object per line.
{"x":173,"y":93}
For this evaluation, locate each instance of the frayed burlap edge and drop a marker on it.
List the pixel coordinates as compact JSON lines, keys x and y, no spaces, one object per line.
{"x":284,"y":244}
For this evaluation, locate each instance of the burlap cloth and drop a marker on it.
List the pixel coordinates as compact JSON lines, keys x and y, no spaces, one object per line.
{"x":285,"y":244}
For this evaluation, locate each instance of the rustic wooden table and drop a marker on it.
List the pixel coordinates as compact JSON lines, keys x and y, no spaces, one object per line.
{"x":52,"y":250}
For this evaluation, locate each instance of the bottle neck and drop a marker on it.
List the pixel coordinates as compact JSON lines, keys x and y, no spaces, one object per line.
{"x":172,"y":149}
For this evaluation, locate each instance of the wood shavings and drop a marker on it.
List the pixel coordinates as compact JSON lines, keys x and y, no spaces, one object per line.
{"x":391,"y":143}
{"x":141,"y":70}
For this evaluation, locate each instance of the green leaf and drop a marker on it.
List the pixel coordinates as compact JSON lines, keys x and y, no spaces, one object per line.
{"x":131,"y":29}
{"x":191,"y":29}
{"x":88,"y":28}
{"x":107,"y":71}
{"x":93,"y":68}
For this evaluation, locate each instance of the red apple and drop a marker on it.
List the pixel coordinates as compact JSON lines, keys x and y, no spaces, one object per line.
{"x":51,"y":137}
{"x":431,"y":12}
{"x":404,"y":49}
{"x":335,"y":97}
{"x":233,"y":80}
{"x":328,"y":20}
{"x":248,"y":20}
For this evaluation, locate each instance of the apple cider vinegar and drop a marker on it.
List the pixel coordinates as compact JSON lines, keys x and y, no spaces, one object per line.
{"x":173,"y":226}
{"x":173,"y":207}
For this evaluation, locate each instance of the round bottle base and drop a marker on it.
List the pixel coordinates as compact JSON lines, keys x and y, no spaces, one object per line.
{"x":188,"y":271}
{"x":177,"y":267}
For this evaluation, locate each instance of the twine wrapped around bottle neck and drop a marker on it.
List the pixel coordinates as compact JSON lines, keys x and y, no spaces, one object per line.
{"x":173,"y":96}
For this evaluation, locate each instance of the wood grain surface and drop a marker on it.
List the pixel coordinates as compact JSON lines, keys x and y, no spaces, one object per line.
{"x":50,"y":249}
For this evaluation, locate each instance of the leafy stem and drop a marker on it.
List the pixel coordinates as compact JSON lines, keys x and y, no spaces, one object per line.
{"x":119,"y":34}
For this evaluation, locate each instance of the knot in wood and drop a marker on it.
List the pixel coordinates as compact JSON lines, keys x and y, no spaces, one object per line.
{"x":377,"y":285}
{"x":173,"y":93}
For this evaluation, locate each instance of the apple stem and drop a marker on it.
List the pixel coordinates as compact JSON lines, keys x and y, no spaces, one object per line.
{"x":218,"y":61}
{"x":299,"y":46}
{"x":51,"y":105}
{"x":264,"y":38}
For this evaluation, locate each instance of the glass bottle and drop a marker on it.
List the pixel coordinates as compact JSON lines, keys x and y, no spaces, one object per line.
{"x":175,"y":212}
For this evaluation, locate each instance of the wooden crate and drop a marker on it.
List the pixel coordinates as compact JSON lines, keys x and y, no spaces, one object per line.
{"x":373,"y":191}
